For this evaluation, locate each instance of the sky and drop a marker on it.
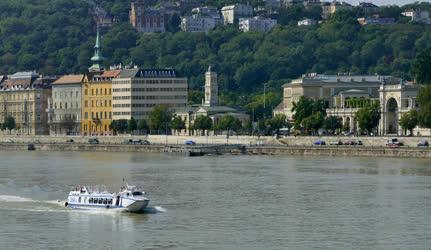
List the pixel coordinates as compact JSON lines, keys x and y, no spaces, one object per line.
{"x":386,"y":2}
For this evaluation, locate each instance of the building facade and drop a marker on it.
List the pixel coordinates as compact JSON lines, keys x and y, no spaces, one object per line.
{"x":210,"y":105}
{"x":307,"y":22}
{"x":232,"y":13}
{"x":330,"y":8}
{"x":145,"y":19}
{"x":418,"y":16}
{"x":344,"y":95}
{"x":257,"y":24}
{"x":376,"y":20}
{"x":136,"y":91}
{"x":196,"y":23}
{"x":24,"y":96}
{"x":65,"y":106}
{"x":97,"y":103}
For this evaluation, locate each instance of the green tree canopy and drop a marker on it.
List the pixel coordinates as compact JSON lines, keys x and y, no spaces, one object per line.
{"x":228,"y":123}
{"x":307,"y":107}
{"x":277,"y":122}
{"x":314,"y":122}
{"x":177,"y":123}
{"x":143,"y":126}
{"x":202,"y":123}
{"x":409,"y":120}
{"x":9,"y":123}
{"x":368,"y":117}
{"x":332,"y":123}
{"x":421,"y":67}
{"x":132,"y":125}
{"x":160,"y":118}
{"x":119,"y":126}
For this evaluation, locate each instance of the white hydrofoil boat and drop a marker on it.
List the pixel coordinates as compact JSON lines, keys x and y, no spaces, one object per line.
{"x":129,"y":198}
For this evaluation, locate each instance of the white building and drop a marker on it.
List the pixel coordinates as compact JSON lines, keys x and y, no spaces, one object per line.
{"x":196,"y":23}
{"x":420,"y":16}
{"x":136,"y":91}
{"x":232,"y":13}
{"x":210,"y":105}
{"x":259,"y":24}
{"x":307,"y":22}
{"x":208,"y":11}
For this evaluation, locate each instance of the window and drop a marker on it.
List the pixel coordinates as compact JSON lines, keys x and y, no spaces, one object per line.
{"x":86,"y":115}
{"x":100,"y":201}
{"x":90,"y":200}
{"x":77,"y":93}
{"x":86,"y":92}
{"x":65,"y":105}
{"x":92,"y":91}
{"x":86,"y":104}
{"x":106,"y":91}
{"x":97,"y":91}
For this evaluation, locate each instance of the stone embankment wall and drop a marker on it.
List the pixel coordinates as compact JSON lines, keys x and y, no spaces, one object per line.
{"x":367,"y":141}
{"x":347,"y":151}
{"x":373,"y":146}
{"x":154,"y":139}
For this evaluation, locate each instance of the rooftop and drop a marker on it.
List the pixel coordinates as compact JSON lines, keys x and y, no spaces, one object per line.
{"x":70,"y":79}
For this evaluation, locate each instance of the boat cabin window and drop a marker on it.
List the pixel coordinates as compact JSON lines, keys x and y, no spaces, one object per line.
{"x":105,"y":201}
{"x":79,"y":199}
{"x":110,"y":201}
{"x":91,"y":200}
{"x":100,"y":201}
{"x":137,"y":193}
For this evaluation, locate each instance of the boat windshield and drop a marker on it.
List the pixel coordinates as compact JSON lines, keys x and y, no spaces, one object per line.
{"x":137,"y":193}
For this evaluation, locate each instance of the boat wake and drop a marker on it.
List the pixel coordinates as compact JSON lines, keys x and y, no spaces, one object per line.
{"x":58,"y":206}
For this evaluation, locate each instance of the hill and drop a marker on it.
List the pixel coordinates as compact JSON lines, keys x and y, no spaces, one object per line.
{"x":57,"y":36}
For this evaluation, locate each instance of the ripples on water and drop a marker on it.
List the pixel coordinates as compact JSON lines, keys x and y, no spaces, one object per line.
{"x":225,"y":202}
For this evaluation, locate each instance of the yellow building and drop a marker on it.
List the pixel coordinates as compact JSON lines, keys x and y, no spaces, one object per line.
{"x":97,"y":103}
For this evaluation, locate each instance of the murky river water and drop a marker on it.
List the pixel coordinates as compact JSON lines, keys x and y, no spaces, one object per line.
{"x":226,"y":202}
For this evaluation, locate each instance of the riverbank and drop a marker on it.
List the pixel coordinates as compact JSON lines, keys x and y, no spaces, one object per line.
{"x":235,"y":149}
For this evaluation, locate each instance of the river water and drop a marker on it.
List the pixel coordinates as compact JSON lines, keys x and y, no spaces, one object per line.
{"x":223,"y":202}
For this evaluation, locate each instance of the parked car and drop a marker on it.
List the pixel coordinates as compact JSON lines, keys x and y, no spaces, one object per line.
{"x":136,"y":142}
{"x":319,"y":143}
{"x":190,"y":143}
{"x":70,"y":141}
{"x":336,"y":143}
{"x":393,"y":143}
{"x":93,"y":141}
{"x":423,"y":144}
{"x":353,"y":143}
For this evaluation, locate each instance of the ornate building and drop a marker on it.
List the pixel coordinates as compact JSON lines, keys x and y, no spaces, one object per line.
{"x":24,"y":96}
{"x":345,"y":94}
{"x":210,"y":105}
{"x":145,"y":19}
{"x":97,"y":96}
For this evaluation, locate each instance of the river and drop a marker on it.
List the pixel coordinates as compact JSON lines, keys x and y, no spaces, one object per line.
{"x":223,"y":202}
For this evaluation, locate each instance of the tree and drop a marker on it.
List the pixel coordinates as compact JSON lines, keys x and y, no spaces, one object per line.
{"x":314,"y":122}
{"x":119,"y":126}
{"x":368,"y":117}
{"x":143,"y":126}
{"x":202,"y":123}
{"x":277,"y":122}
{"x":177,"y":124}
{"x":409,"y":120}
{"x":160,"y":118}
{"x":424,"y":100}
{"x":131,"y":125}
{"x":332,"y":123}
{"x":9,"y":123}
{"x":228,"y":123}
{"x":421,"y":67}
{"x":307,"y":107}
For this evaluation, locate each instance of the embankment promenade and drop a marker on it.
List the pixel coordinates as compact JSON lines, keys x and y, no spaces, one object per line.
{"x":249,"y":145}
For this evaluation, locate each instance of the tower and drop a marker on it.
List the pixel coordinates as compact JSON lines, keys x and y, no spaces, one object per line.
{"x":97,"y":59}
{"x":211,"y":88}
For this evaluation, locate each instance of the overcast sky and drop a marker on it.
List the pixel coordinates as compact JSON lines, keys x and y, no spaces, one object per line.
{"x":386,"y":2}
